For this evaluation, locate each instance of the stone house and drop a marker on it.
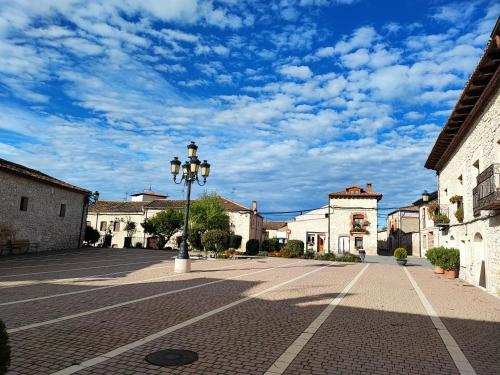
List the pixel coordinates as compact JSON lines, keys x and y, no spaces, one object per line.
{"x":353,"y":222}
{"x":39,"y":212}
{"x":428,"y":231}
{"x":111,"y":217}
{"x":466,"y":158}
{"x":270,"y":228}
{"x":403,"y":230}
{"x":347,"y":223}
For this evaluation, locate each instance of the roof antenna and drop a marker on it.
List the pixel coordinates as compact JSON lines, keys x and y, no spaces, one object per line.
{"x":126,"y":196}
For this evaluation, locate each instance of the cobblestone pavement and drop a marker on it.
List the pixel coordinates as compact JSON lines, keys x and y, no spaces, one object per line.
{"x":240,"y":316}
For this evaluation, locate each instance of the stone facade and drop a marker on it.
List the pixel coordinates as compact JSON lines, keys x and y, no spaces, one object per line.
{"x":478,"y":237}
{"x":42,"y":224}
{"x":335,"y":228}
{"x":243,"y":221}
{"x":403,"y":229}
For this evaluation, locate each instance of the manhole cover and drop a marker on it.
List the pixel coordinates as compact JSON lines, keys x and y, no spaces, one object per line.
{"x":172,"y":357}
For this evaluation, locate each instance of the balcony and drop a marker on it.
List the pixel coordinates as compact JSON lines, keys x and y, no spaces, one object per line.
{"x":486,"y":194}
{"x":440,"y":214}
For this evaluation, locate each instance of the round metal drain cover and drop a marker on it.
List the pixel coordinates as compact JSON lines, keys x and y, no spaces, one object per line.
{"x":172,"y":357}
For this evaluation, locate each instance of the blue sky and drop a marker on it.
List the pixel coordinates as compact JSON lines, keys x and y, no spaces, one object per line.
{"x":288,"y":100}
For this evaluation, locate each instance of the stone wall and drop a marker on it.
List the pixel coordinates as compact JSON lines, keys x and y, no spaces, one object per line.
{"x":41,"y":224}
{"x":477,"y":238}
{"x":341,"y":222}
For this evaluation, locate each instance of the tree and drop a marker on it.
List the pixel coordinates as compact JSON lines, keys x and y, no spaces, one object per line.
{"x":164,"y":225}
{"x":207,"y":213}
{"x":91,"y":235}
{"x":215,"y":240}
{"x":130,"y":228}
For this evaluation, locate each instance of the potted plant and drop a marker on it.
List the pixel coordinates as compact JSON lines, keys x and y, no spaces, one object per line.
{"x":433,"y":255}
{"x":450,"y":262}
{"x":400,"y":254}
{"x":459,"y":214}
{"x":456,"y":199}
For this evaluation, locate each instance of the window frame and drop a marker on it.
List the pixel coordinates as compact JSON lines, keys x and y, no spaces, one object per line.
{"x":23,"y":206}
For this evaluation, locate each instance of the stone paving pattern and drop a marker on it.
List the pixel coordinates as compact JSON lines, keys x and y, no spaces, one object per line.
{"x":379,"y":327}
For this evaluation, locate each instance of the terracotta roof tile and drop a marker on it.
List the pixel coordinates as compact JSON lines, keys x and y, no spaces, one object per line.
{"x":117,"y":206}
{"x":274,"y":225}
{"x":33,"y":174}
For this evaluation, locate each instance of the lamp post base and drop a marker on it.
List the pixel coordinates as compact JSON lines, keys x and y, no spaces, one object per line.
{"x":182,"y":265}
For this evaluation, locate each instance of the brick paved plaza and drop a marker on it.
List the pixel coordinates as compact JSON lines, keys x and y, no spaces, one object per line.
{"x":101,"y":311}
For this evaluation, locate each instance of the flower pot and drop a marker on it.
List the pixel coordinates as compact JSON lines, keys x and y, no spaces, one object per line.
{"x":451,"y":274}
{"x":438,"y":270}
{"x":402,"y":262}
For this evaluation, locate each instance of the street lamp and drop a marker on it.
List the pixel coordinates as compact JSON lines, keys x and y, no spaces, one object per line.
{"x":425,"y":196}
{"x":189,"y":175}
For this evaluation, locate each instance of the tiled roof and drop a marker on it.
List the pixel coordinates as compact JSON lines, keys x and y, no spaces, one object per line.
{"x":21,"y":170}
{"x":361,"y":194}
{"x":158,"y":204}
{"x":150,"y":193}
{"x":117,"y":206}
{"x":274,"y":225}
{"x":481,"y":86}
{"x":411,"y":208}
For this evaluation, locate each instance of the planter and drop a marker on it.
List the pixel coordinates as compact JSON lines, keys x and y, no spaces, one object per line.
{"x":451,"y":274}
{"x":402,"y":262}
{"x":438,"y":270}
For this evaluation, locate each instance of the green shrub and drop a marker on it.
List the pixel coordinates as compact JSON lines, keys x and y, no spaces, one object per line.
{"x":449,"y":259}
{"x":459,"y":214}
{"x":326,"y":256}
{"x":4,"y":349}
{"x":215,"y":240}
{"x":262,"y":253}
{"x":434,"y":255}
{"x":271,"y":245}
{"x":234,"y":241}
{"x":348,"y":257}
{"x":400,"y":253}
{"x":309,"y":255}
{"x":295,"y":247}
{"x":252,"y":247}
{"x":91,"y":235}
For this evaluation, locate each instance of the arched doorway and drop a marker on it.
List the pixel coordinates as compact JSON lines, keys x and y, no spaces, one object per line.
{"x":479,"y":258}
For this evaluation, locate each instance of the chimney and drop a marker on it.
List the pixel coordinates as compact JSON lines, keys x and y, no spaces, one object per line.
{"x":369,"y":187}
{"x":254,"y":206}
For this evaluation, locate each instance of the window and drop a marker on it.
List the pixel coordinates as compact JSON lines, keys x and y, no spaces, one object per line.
{"x":62,"y":210}
{"x":116,"y":226}
{"x":104,"y":226}
{"x":24,"y":204}
{"x":357,"y":222}
{"x":358,"y":242}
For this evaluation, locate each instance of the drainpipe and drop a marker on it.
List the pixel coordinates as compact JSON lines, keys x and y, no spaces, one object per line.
{"x":81,"y":223}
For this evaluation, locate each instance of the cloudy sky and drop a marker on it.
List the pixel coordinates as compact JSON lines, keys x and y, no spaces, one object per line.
{"x":287,"y":99}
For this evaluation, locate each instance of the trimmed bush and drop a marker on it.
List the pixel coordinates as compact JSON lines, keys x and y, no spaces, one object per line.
{"x":295,"y":248}
{"x":91,"y":235}
{"x":235,"y":241}
{"x":309,"y":255}
{"x":348,"y":257}
{"x":400,"y":253}
{"x":4,"y":349}
{"x":215,"y":240}
{"x":435,"y":254}
{"x":449,"y":259}
{"x":326,"y":256}
{"x":270,"y":245}
{"x":252,"y":247}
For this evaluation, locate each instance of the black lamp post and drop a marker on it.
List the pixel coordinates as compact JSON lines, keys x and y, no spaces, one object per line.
{"x":190,"y":171}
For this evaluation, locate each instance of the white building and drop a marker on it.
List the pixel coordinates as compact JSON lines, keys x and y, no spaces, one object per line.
{"x":349,"y":222}
{"x":110,"y":219}
{"x":466,"y":157}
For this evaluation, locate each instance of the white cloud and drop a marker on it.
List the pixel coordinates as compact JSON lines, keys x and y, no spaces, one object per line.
{"x":362,"y":37}
{"x":299,"y":72}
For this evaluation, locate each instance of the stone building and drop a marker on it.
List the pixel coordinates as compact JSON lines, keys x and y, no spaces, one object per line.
{"x":428,"y":231}
{"x":403,"y":230}
{"x":270,"y":228}
{"x":466,"y":158}
{"x":349,"y":222}
{"x":110,"y":218}
{"x":39,"y":212}
{"x":353,"y":219}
